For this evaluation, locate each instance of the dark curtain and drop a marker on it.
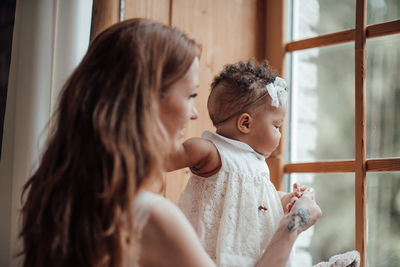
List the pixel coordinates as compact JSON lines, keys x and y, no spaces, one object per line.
{"x":7,"y":15}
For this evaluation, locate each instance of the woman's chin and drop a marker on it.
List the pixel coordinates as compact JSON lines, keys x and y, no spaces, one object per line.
{"x":175,"y":145}
{"x":176,"y":141}
{"x":181,"y":134}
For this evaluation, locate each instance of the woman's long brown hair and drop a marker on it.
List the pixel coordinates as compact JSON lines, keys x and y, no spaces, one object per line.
{"x":106,"y":141}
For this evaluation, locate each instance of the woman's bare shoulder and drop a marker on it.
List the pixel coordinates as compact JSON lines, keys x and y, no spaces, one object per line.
{"x":168,"y":239}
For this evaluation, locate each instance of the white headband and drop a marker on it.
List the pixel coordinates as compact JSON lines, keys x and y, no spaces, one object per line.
{"x":277,"y":91}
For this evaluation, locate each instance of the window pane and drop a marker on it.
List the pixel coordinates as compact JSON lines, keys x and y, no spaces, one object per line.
{"x":334,"y":232}
{"x":383,"y":97}
{"x":379,"y":11}
{"x":311,"y":18}
{"x":383,"y":219}
{"x":322,"y":104}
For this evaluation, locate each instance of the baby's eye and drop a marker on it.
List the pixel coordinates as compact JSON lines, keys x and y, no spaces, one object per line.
{"x":277,"y":126}
{"x":193,"y":95}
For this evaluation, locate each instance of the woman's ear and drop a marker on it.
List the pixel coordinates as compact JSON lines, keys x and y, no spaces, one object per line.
{"x":244,"y":123}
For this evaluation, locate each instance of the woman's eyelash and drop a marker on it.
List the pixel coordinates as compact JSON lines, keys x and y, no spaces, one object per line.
{"x":193,"y":95}
{"x":277,"y":126}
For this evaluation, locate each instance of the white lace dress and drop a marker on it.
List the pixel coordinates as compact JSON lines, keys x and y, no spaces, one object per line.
{"x":236,"y":211}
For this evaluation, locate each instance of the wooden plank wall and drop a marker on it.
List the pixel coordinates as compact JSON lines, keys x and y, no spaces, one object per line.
{"x":105,"y":13}
{"x":153,"y":9}
{"x":275,"y":53}
{"x":228,"y":30}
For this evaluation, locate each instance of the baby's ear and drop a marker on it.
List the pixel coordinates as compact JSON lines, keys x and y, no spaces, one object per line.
{"x":244,"y":123}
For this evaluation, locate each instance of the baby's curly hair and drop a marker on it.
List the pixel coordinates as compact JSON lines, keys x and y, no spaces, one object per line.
{"x":237,"y":87}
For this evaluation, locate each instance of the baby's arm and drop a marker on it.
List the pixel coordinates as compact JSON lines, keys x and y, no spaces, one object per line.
{"x":199,"y":154}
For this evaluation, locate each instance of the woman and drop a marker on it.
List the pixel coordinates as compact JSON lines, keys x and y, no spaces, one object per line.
{"x":120,"y":113}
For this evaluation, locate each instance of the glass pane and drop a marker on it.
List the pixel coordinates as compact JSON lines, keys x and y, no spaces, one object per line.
{"x":383,"y":219}
{"x":383,"y":96}
{"x":322,"y":104}
{"x":379,"y":11}
{"x":311,"y":18}
{"x":334,"y":232}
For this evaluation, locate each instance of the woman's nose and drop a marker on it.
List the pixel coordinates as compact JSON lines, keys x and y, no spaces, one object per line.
{"x":194,"y":114}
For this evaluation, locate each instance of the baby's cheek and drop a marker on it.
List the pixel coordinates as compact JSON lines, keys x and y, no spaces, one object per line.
{"x":276,"y":144}
{"x":277,"y":136}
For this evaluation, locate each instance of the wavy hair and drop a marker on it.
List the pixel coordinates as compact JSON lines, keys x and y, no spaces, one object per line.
{"x":237,"y":88}
{"x":106,"y":142}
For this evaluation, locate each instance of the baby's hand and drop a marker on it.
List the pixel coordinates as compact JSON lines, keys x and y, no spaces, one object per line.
{"x":298,"y":191}
{"x":288,"y":200}
{"x":304,"y":213}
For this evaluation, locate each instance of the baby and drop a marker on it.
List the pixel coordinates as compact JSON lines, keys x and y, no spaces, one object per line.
{"x":229,"y":198}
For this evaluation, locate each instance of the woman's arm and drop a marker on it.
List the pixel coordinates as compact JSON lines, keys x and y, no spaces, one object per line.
{"x":197,"y":153}
{"x":303,"y":215}
{"x":168,"y":239}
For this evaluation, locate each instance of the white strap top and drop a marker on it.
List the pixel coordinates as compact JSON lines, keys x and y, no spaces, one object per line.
{"x":143,"y":204}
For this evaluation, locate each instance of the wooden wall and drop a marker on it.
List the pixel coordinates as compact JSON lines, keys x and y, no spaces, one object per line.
{"x":229,"y":31}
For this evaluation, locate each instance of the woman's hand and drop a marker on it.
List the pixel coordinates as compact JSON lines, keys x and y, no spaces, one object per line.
{"x":304,"y":213}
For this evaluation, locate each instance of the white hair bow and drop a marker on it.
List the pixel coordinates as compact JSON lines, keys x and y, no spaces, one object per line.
{"x":277,"y":91}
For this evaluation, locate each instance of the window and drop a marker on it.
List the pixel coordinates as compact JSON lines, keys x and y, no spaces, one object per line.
{"x":343,"y":131}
